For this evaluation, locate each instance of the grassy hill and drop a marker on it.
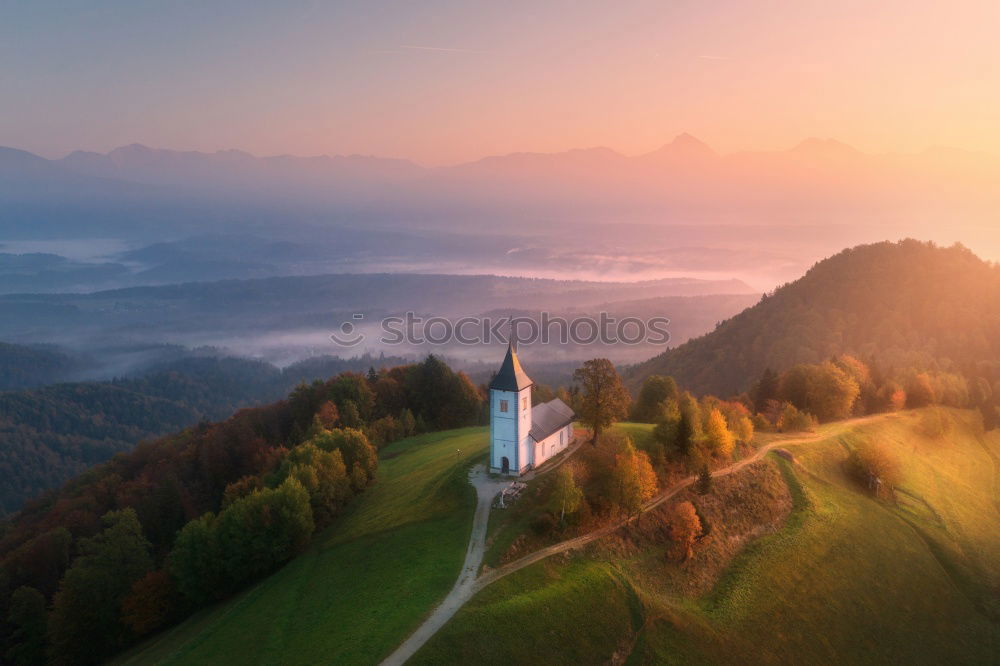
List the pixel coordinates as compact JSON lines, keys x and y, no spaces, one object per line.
{"x":366,"y":582}
{"x":908,"y":304}
{"x":847,"y":578}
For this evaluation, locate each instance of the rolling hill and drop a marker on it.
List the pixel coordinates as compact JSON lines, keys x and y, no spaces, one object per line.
{"x":846,"y":578}
{"x":905,"y":304}
{"x":841,"y":576}
{"x":364,"y":585}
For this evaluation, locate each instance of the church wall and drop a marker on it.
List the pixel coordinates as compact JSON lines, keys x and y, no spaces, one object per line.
{"x":553,"y":445}
{"x":525,"y":459}
{"x":504,"y":431}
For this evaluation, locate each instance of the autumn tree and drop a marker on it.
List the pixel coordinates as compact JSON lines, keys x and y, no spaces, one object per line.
{"x":742,"y":428}
{"x":86,"y":625}
{"x":603,"y":399}
{"x":328,"y":416}
{"x":685,"y":528}
{"x":720,"y":440}
{"x":919,"y":390}
{"x":541,"y":393}
{"x":240,"y":488}
{"x":349,"y":414}
{"x":566,"y":495}
{"x":151,"y":603}
{"x":891,"y":397}
{"x":633,"y":479}
{"x":324,"y":476}
{"x":407,"y":422}
{"x":793,"y":420}
{"x":649,"y":407}
{"x":876,"y":467}
{"x":824,"y":390}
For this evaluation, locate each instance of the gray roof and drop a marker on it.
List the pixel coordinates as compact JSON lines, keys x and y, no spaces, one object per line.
{"x":549,"y":417}
{"x":511,"y":377}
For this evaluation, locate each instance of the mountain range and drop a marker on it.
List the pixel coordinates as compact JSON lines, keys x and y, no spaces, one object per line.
{"x":685,"y":179}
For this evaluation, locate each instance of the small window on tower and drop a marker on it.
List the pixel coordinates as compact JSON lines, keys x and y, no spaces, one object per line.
{"x":524,"y":403}
{"x":503,"y":405}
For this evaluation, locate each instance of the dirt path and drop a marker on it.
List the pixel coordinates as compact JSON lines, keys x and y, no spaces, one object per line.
{"x":486,"y":489}
{"x":465,"y":586}
{"x":571,"y":544}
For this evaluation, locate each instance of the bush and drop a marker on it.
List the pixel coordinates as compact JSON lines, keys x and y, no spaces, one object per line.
{"x":543,"y":524}
{"x":875,"y":467}
{"x":793,"y":420}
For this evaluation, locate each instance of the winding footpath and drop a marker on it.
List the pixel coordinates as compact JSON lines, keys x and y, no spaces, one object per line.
{"x":468,"y":584}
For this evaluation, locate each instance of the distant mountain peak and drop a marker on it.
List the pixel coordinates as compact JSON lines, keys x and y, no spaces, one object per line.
{"x":132,"y":148}
{"x":684,"y":145}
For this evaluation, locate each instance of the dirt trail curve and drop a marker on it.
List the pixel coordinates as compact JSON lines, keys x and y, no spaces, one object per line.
{"x":465,"y":586}
{"x":486,"y":489}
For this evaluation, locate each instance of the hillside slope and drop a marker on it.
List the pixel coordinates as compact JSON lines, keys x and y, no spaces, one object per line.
{"x":364,"y":585}
{"x":50,"y":434}
{"x":847,"y":579}
{"x":907,"y":304}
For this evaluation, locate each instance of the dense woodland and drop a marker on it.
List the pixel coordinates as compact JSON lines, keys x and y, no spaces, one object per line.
{"x":144,"y":539}
{"x":901,"y":306}
{"x":27,"y":367}
{"x":50,"y":434}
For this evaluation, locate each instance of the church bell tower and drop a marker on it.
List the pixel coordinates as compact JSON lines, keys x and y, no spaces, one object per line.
{"x":510,"y":417}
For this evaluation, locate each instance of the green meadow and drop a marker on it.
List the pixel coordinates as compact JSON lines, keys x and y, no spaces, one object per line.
{"x":364,"y":584}
{"x":847,"y":579}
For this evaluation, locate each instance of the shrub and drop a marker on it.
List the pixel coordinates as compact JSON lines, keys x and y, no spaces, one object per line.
{"x":543,"y":524}
{"x":793,"y":420}
{"x":875,"y":466}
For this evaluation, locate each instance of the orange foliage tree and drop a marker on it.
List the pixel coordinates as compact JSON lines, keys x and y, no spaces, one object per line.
{"x":685,"y":528}
{"x":633,"y":479}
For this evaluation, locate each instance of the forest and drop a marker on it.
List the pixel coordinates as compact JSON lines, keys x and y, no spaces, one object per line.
{"x":141,"y":541}
{"x":51,"y":433}
{"x":909,"y":305}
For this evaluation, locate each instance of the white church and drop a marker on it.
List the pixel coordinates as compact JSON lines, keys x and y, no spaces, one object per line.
{"x":521,"y":436}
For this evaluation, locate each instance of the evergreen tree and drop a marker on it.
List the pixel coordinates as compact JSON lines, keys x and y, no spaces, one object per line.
{"x":704,"y":484}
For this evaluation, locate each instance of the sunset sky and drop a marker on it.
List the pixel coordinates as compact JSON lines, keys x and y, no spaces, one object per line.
{"x":446,"y":81}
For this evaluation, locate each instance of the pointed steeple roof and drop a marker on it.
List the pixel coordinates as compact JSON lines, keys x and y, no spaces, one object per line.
{"x":511,"y":376}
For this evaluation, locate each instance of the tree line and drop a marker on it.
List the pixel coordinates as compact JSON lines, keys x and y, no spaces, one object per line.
{"x":703,"y":433}
{"x":910,"y":304}
{"x":52,"y":433}
{"x":141,"y":541}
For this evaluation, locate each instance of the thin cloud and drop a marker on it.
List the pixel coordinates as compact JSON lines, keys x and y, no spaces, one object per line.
{"x":714,"y":57}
